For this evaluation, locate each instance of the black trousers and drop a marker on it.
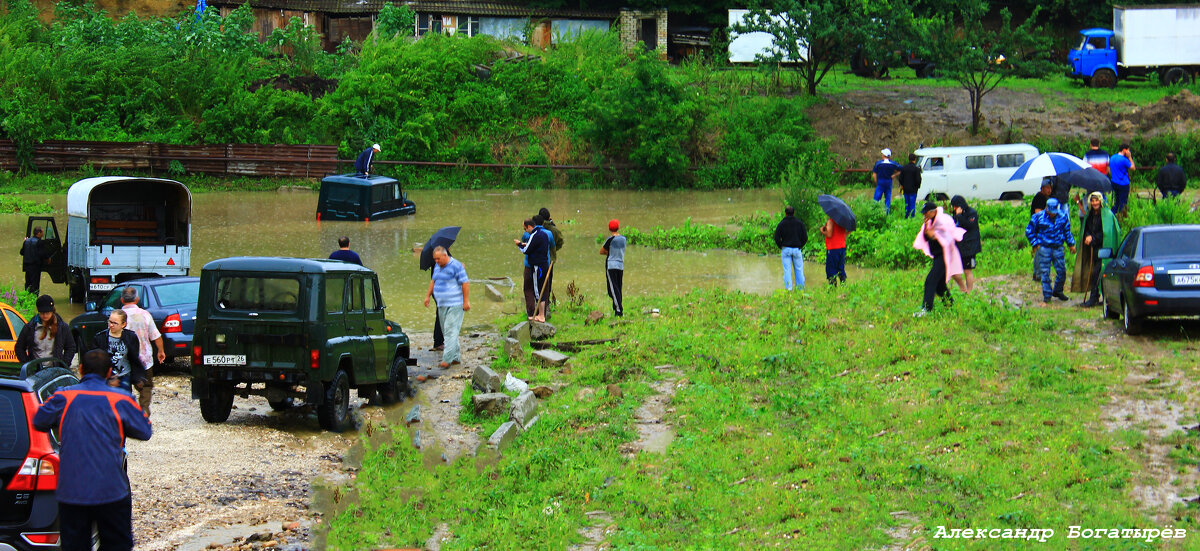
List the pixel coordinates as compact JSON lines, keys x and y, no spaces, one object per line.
{"x":1093,"y":278}
{"x":615,"y":278}
{"x":33,"y":279}
{"x":935,"y":283}
{"x":530,"y":297}
{"x":114,"y":521}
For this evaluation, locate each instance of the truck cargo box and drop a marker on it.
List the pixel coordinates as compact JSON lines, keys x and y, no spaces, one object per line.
{"x":1157,"y":36}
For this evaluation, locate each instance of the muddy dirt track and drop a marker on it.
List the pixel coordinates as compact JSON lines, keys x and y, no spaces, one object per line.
{"x":247,"y":483}
{"x":860,"y":123}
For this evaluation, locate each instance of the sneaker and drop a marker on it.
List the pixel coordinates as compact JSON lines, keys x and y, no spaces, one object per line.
{"x":920,"y":313}
{"x":1061,"y":296}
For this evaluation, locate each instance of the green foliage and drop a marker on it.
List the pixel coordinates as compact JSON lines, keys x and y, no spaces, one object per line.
{"x":394,"y":21}
{"x":17,"y":297}
{"x":10,"y":204}
{"x":811,"y":174}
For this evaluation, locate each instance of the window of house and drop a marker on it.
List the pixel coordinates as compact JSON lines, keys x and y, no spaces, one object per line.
{"x":979,"y":161}
{"x":428,"y":22}
{"x":1010,"y":160}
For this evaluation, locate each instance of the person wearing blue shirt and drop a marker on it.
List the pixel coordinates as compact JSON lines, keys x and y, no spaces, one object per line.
{"x":93,"y":419}
{"x":1120,"y":165}
{"x":344,"y":253}
{"x":537,"y":253}
{"x":882,"y":173}
{"x":1047,"y":231}
{"x":362,"y":164}
{"x":452,"y":290}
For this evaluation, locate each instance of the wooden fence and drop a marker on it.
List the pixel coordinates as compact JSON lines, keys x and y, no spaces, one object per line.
{"x":287,"y":161}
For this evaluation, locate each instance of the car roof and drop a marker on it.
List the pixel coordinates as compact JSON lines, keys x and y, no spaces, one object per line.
{"x":283,"y":265}
{"x":975,"y":149}
{"x":358,"y":180}
{"x":1168,"y":227}
{"x":1094,"y":32}
{"x":155,"y":281}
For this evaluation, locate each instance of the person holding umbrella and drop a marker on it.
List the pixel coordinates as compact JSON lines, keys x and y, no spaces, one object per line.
{"x":840,"y":221}
{"x":937,"y":238}
{"x":1100,"y":231}
{"x":442,"y":238}
{"x":452,"y":290}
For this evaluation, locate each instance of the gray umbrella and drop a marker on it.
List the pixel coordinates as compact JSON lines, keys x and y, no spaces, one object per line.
{"x":441,"y":238}
{"x":839,"y":211}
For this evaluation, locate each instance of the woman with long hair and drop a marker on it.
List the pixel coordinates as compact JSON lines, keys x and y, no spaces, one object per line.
{"x":46,"y":336}
{"x":122,"y":346}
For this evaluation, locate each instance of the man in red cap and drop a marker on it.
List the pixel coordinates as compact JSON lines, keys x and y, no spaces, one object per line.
{"x":614,"y":252}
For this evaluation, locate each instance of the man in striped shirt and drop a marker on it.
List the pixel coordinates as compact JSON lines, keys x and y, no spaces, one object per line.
{"x":1047,"y":231}
{"x":452,"y":290}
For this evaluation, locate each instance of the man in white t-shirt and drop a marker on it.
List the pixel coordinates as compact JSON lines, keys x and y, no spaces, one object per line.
{"x":142,"y":324}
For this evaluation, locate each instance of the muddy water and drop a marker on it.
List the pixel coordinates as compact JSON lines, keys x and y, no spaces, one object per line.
{"x":269,"y":223}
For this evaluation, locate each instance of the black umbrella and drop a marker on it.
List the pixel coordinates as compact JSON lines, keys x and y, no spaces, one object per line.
{"x":441,"y":238}
{"x":838,"y":211}
{"x":1089,"y":179}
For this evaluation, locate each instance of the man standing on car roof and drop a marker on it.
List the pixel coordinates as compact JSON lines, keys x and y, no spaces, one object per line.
{"x":142,"y":324}
{"x":362,"y":164}
{"x":1047,"y":231}
{"x":882,"y":173}
{"x":93,"y":420}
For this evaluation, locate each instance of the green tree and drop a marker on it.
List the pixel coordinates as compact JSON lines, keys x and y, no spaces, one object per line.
{"x":977,"y":56}
{"x":814,"y":35}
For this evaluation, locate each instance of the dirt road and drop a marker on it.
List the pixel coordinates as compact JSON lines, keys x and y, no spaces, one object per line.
{"x":246,"y":483}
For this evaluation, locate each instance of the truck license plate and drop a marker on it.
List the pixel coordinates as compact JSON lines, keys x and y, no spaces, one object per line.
{"x":225,"y":359}
{"x":101,"y":286}
{"x":1186,"y":280}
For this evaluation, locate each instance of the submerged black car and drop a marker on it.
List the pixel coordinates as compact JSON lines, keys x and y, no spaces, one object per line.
{"x":359,"y":197}
{"x":170,"y":300}
{"x":1155,"y":272}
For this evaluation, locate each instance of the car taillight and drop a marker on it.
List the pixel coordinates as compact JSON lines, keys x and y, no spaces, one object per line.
{"x":314,"y":359}
{"x":36,"y":474}
{"x":41,"y":538}
{"x":1144,"y":277}
{"x":196,"y":359}
{"x":172,"y":324}
{"x":99,"y":279}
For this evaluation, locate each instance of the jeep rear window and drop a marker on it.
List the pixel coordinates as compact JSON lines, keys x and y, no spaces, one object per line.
{"x":14,"y":437}
{"x":176,"y":294}
{"x":259,"y":294}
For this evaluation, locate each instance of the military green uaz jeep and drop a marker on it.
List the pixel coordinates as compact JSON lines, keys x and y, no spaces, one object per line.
{"x":288,"y":328}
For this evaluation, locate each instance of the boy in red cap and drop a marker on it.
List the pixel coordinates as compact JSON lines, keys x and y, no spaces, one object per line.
{"x":614,"y":252}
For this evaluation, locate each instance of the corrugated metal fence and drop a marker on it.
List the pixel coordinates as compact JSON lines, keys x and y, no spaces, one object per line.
{"x":295,"y":161}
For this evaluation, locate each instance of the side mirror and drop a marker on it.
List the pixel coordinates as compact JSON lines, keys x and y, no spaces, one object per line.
{"x":1104,"y":253}
{"x":90,"y":307}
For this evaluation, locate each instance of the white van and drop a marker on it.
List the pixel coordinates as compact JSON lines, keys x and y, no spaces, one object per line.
{"x":975,"y":171}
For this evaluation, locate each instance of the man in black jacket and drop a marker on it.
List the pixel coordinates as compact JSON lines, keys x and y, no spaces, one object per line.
{"x":966,"y":218}
{"x":910,"y":183}
{"x":1171,"y":180}
{"x":790,"y":236}
{"x":34,"y":254}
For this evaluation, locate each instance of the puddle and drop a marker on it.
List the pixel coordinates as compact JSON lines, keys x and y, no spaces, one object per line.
{"x":222,"y":536}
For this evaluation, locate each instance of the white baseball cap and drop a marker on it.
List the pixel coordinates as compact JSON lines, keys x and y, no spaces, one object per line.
{"x":886,"y":152}
{"x":375,"y":147}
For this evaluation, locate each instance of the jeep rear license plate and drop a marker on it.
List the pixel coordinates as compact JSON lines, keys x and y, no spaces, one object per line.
{"x":225,"y":359}
{"x":1186,"y":280}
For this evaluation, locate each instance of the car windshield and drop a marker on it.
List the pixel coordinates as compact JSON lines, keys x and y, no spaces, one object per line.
{"x":260,"y":294}
{"x":1171,"y":243}
{"x":177,"y":294}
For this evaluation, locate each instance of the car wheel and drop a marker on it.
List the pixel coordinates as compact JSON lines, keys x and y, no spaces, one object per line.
{"x":334,"y":413}
{"x":1104,"y":78}
{"x":396,"y":388}
{"x":1108,"y":311}
{"x":1133,"y":325}
{"x":216,"y":407}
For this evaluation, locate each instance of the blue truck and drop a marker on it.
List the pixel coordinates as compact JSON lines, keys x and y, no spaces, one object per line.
{"x":1146,"y":41}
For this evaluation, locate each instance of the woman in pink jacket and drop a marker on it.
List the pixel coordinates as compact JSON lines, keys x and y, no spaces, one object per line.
{"x":937,"y":239}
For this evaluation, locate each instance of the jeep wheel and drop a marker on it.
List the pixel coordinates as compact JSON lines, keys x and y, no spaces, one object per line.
{"x":334,"y":413}
{"x":396,"y":387}
{"x":216,"y":407}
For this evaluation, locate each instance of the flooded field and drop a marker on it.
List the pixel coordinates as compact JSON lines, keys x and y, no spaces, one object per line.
{"x":283,"y":224}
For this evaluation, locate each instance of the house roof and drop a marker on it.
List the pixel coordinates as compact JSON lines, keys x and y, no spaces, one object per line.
{"x":321,"y":6}
{"x":503,"y":9}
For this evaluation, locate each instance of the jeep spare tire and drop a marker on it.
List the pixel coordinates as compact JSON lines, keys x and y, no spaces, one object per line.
{"x":334,"y":412}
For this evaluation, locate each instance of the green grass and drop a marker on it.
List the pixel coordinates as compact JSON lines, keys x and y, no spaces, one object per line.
{"x":802,"y":419}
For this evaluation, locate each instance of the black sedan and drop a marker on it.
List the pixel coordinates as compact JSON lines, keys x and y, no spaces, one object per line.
{"x":1155,"y":272}
{"x":170,"y":300}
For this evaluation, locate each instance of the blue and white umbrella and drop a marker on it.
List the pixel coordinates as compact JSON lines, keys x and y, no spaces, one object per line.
{"x":1048,"y":164}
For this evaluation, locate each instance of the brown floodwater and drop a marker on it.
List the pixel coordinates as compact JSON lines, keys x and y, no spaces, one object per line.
{"x":283,"y":224}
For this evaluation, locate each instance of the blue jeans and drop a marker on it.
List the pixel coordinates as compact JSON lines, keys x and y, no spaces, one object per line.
{"x":1055,"y":256}
{"x":885,"y":191}
{"x":835,"y":265}
{"x":793,"y":268}
{"x":1120,"y":198}
{"x":910,"y":205}
{"x":452,"y":318}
